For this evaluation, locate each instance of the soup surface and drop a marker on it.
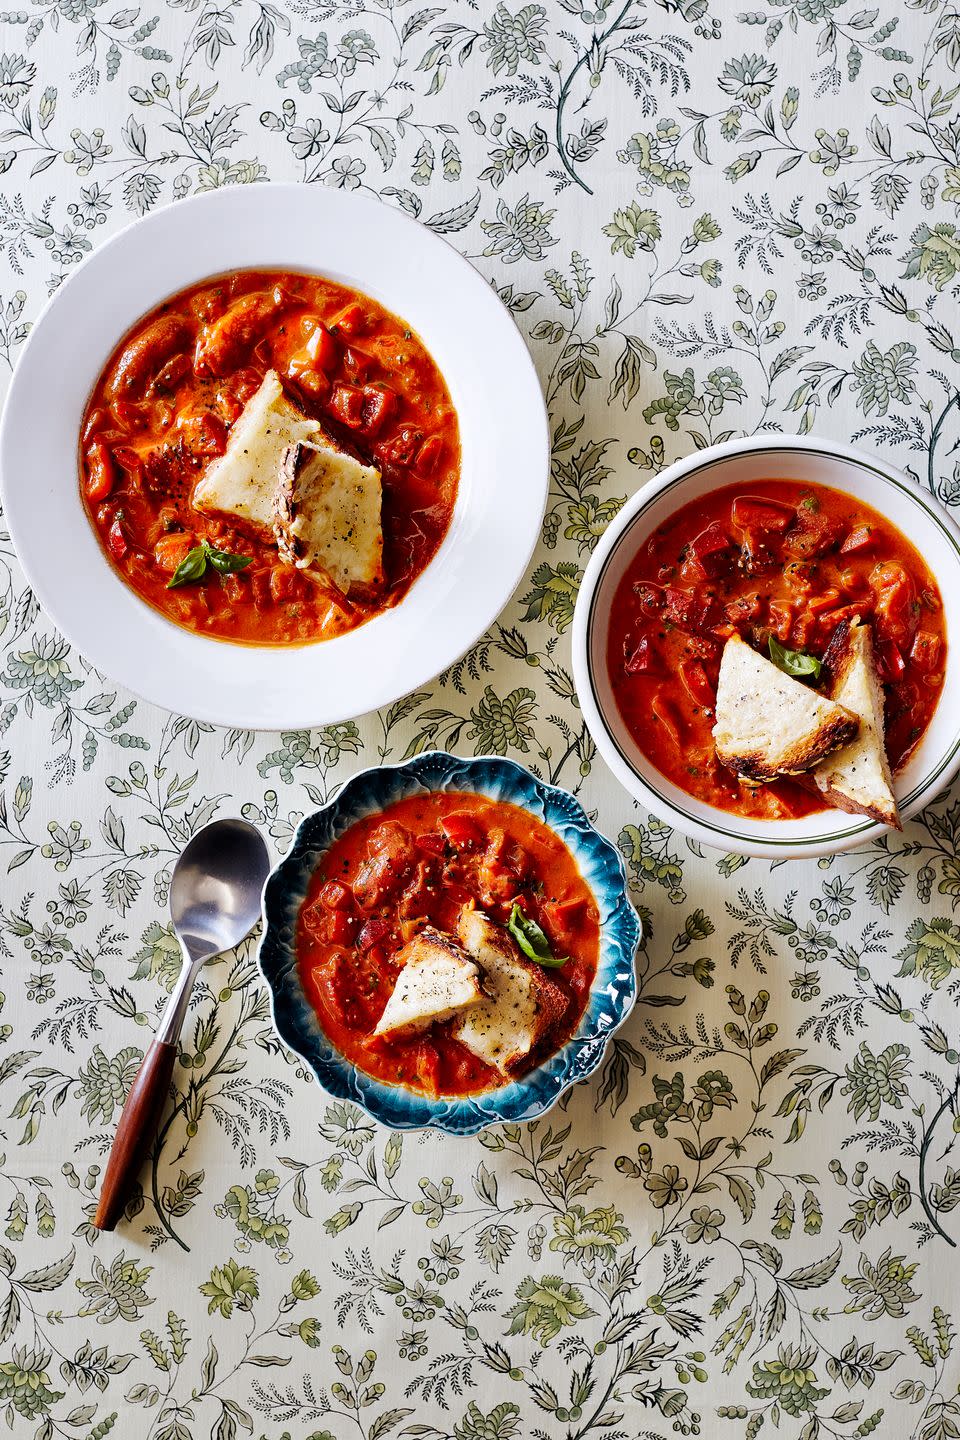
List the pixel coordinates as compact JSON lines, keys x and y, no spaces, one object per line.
{"x":163,"y":408}
{"x":775,"y":558}
{"x":422,"y":861}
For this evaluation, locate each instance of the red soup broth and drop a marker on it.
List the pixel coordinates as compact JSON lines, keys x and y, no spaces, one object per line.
{"x":163,"y":407}
{"x":442,"y":851}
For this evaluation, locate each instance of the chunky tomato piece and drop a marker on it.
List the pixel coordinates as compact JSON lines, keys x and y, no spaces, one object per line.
{"x":897,"y":611}
{"x":351,"y":319}
{"x":708,"y":554}
{"x":742,"y":611}
{"x":204,"y":434}
{"x":861,"y":539}
{"x":767,"y":517}
{"x":640,"y":658}
{"x":812,"y":534}
{"x":462,"y":830}
{"x":314,"y":383}
{"x":401,"y":448}
{"x":346,"y":403}
{"x":101,"y":472}
{"x":650,"y":599}
{"x":428,"y":1067}
{"x":171,"y":550}
{"x":691,"y":612}
{"x":891,"y":665}
{"x":116,"y":540}
{"x":373,"y":931}
{"x":321,"y":350}
{"x":358,"y":364}
{"x":927,"y":651}
{"x":379,"y":405}
{"x":336,"y":896}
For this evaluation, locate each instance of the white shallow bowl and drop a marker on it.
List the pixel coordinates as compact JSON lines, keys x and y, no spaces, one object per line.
{"x":503,"y":430}
{"x":917,"y":514}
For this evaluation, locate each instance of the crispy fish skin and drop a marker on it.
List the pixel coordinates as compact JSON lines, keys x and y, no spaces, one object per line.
{"x":327,"y":515}
{"x":857,"y":778}
{"x":768,"y":724}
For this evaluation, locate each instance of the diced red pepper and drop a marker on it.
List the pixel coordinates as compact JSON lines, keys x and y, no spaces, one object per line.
{"x":697,"y":685}
{"x":101,"y":472}
{"x":375,"y":930}
{"x":204,"y":434}
{"x":357,"y":364}
{"x":752,"y":512}
{"x":926,"y":651}
{"x":689,"y":612}
{"x":891,"y":665}
{"x":562,"y":918}
{"x":743,"y":610}
{"x":641,"y":659}
{"x":117,"y":540}
{"x":462,"y":830}
{"x":346,"y":403}
{"x":708,"y":554}
{"x":861,"y":537}
{"x":336,"y":896}
{"x":379,"y":405}
{"x":430,"y":844}
{"x":428,"y":1067}
{"x":350,"y":320}
{"x":812,"y":534}
{"x":322,"y":350}
{"x":401,"y":448}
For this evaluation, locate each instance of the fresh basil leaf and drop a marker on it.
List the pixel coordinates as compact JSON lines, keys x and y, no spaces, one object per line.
{"x":532,"y":940}
{"x":192,"y":567}
{"x":794,"y":662}
{"x":225,"y":562}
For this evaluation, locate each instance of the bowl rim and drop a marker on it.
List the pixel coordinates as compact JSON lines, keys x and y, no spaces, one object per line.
{"x":180,"y":677}
{"x":854,"y":831}
{"x":606,"y":1010}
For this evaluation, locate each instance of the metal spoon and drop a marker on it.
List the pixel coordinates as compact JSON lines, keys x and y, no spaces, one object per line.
{"x":214,"y":902}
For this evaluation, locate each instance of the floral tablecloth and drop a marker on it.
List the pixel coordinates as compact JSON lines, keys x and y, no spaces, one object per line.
{"x":708,"y":222}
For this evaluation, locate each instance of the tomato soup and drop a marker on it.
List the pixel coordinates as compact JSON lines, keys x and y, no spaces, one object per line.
{"x":773,"y":558}
{"x":421,"y":861}
{"x":163,"y":409}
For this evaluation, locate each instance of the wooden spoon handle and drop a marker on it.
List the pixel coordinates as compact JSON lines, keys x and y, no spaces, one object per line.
{"x":138,"y":1125}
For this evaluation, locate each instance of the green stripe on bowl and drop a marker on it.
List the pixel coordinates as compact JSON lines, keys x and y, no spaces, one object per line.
{"x":914,"y":496}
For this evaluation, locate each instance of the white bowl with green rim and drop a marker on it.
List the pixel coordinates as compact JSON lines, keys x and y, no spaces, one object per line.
{"x":806,"y":459}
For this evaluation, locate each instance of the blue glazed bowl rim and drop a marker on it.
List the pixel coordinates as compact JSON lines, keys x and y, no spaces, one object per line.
{"x":612,"y":994}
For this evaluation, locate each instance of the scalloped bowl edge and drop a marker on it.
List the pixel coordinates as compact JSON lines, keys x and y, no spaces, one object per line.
{"x":612,"y":994}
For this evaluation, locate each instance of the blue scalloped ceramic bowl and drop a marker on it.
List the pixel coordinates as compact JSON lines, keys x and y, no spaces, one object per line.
{"x":611,"y":997}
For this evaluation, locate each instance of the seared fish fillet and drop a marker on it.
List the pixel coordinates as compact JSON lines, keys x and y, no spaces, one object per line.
{"x":767,"y":723}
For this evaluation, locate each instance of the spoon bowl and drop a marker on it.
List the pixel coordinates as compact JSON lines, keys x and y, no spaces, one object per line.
{"x":216,"y":887}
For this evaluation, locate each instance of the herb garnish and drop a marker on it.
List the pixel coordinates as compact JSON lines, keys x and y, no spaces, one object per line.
{"x":532,"y":940}
{"x":794,"y":662}
{"x":194,"y":564}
